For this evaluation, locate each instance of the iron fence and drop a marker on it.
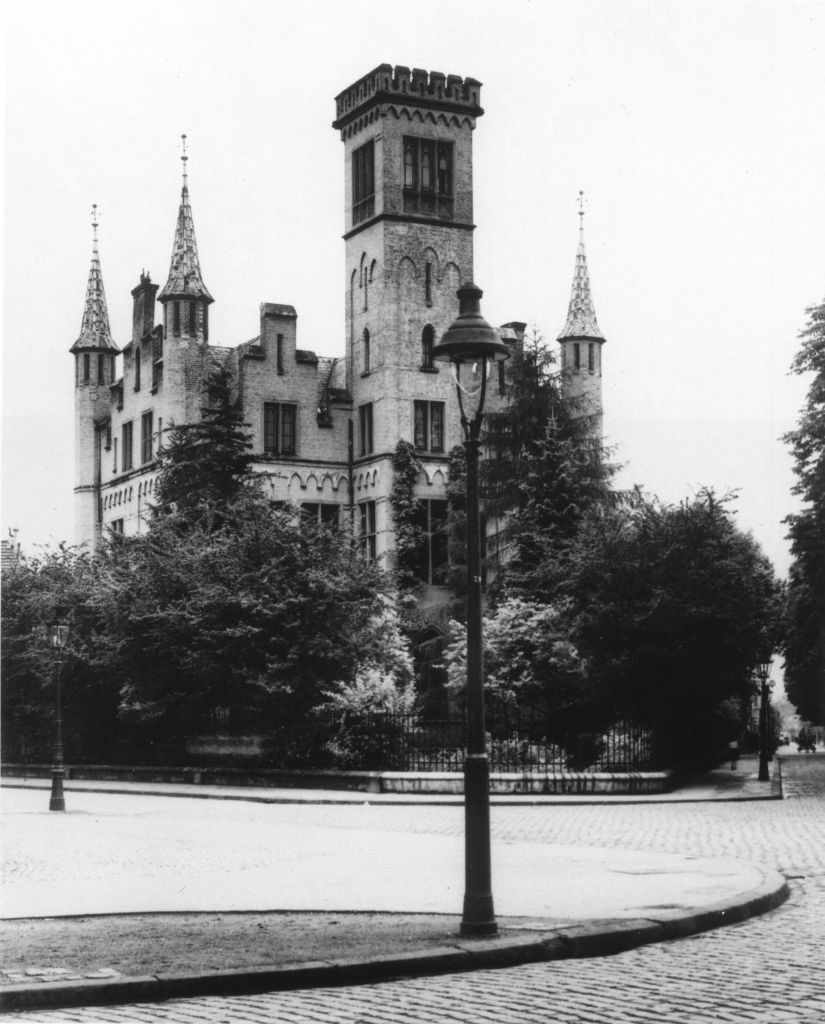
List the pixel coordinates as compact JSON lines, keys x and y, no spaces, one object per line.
{"x":518,"y":740}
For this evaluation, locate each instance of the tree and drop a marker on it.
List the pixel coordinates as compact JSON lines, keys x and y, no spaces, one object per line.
{"x":250,"y":613}
{"x":804,"y":646}
{"x":57,"y":585}
{"x":207,"y":462}
{"x":529,"y":660}
{"x":545,"y":469}
{"x":669,"y":608}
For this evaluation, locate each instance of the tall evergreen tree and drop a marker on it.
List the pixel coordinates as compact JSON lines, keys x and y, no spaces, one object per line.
{"x":205,"y":463}
{"x":805,"y":609}
{"x":545,"y":468}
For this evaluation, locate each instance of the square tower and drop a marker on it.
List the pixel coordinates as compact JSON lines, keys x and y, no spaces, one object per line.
{"x":408,"y":173}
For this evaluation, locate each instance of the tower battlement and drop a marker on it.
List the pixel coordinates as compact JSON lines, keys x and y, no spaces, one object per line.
{"x":423,"y":88}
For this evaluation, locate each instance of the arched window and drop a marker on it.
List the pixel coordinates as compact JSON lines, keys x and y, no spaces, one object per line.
{"x":410,"y":161}
{"x":366,"y":350}
{"x":427,"y":343}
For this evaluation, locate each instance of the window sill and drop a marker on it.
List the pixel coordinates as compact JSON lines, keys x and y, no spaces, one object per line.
{"x":428,"y":369}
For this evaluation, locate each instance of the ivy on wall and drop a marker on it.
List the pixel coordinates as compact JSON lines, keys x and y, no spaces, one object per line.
{"x":406,"y":509}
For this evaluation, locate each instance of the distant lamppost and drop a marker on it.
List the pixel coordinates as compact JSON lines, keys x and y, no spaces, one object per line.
{"x":58,"y":634}
{"x":763,"y":669}
{"x":470,"y":343}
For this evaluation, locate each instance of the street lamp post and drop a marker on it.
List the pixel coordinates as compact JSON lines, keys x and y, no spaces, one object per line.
{"x":763,"y":669}
{"x":58,"y":634}
{"x":470,"y":343}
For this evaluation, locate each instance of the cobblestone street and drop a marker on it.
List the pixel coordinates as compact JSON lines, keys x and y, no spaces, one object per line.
{"x":768,"y":969}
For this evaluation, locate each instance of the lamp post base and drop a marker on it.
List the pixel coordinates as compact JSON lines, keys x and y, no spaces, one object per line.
{"x":57,"y":801}
{"x":479,"y":917}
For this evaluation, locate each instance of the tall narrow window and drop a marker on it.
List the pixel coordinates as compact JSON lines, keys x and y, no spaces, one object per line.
{"x":146,"y":425}
{"x":365,"y":424}
{"x":205,"y":315}
{"x":280,"y":428}
{"x":101,"y":369}
{"x":176,"y":317}
{"x":591,"y":356}
{"x":428,"y":283}
{"x":410,"y":163}
{"x":86,"y":367}
{"x":366,"y":510}
{"x":427,"y":344}
{"x":431,"y":557}
{"x":193,"y":318}
{"x":427,"y":154}
{"x":428,"y":426}
{"x":363,"y":182}
{"x":137,"y":368}
{"x":366,"y":350}
{"x":279,"y":353}
{"x":577,"y":355}
{"x":126,"y":446}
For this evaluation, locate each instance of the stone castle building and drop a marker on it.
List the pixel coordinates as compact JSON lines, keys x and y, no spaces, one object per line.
{"x":324,"y":428}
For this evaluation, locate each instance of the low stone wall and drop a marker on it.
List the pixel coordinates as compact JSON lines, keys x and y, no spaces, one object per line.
{"x":501,"y":783}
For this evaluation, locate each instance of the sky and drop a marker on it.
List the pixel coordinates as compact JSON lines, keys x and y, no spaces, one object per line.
{"x":695,"y":130}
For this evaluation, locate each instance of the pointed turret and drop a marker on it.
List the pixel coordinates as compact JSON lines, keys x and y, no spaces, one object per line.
{"x":581,"y":315}
{"x":184,"y":296}
{"x":94,"y":355}
{"x":581,"y":341}
{"x":185,"y":281}
{"x":95,"y":335}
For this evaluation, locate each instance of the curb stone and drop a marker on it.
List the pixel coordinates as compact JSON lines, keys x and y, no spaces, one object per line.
{"x":597,"y":938}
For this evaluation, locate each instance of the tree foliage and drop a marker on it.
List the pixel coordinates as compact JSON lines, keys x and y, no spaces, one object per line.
{"x":206,"y":463}
{"x":805,"y":609}
{"x":251,"y":615}
{"x":546,"y":468}
{"x":55,"y":586}
{"x":670,"y":606}
{"x":528,"y":658}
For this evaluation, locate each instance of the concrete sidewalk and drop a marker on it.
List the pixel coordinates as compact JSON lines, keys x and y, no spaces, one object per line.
{"x":559,"y":901}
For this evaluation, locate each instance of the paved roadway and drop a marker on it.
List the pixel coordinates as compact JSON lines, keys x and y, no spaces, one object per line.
{"x":768,"y":969}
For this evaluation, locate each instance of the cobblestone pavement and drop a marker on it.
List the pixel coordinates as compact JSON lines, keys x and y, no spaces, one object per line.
{"x":768,"y":969}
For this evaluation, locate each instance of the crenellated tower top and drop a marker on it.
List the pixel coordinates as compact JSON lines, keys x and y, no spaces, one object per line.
{"x":95,"y":334}
{"x":388,"y":84}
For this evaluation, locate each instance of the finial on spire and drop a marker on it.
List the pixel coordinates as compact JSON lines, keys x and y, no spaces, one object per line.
{"x":183,"y":158}
{"x":94,"y":226}
{"x":581,"y":212}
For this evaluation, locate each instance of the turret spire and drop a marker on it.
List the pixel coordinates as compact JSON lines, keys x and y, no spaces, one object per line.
{"x":94,"y":329}
{"x":581,"y":315}
{"x":185,"y":279}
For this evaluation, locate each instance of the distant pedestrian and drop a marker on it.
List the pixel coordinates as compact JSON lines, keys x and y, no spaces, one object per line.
{"x":733,"y":754}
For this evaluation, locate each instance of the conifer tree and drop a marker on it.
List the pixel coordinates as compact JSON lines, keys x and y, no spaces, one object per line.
{"x":207,"y":463}
{"x":545,"y":468}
